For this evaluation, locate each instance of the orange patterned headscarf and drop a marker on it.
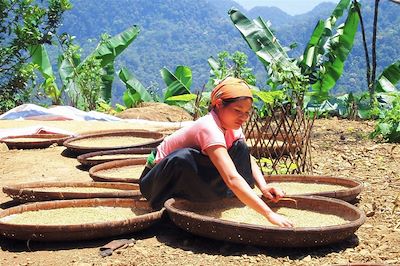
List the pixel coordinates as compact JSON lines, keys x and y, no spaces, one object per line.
{"x":230,"y":88}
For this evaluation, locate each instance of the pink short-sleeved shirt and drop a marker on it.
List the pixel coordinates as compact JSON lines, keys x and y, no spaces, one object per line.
{"x":202,"y":134}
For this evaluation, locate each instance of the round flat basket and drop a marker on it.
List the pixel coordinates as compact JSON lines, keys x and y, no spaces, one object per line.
{"x":74,"y":220}
{"x":112,"y":140}
{"x":41,"y":191}
{"x":195,"y":218}
{"x":128,"y":171}
{"x":307,"y":185}
{"x":98,"y":157}
{"x":34,"y":141}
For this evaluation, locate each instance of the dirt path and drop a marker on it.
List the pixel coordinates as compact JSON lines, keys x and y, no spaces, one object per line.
{"x":340,"y":148}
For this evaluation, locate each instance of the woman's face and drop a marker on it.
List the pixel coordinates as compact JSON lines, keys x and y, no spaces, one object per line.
{"x":233,"y":115}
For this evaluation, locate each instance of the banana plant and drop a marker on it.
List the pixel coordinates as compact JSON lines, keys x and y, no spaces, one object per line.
{"x":324,"y":57}
{"x":386,"y":90}
{"x":177,"y":91}
{"x":263,"y":42}
{"x":389,"y":78}
{"x":178,"y":88}
{"x":135,"y":91}
{"x":178,"y":83}
{"x":322,"y":62}
{"x":70,"y":65}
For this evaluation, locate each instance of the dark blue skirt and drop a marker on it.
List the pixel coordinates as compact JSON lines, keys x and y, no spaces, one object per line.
{"x":189,"y":174}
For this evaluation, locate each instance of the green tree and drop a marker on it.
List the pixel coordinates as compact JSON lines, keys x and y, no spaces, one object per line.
{"x":23,"y":24}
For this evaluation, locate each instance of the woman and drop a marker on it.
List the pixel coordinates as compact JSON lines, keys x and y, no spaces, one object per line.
{"x":209,"y":159}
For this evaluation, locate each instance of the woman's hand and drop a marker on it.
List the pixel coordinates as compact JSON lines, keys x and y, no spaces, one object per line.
{"x":273,"y":193}
{"x":279,"y":220}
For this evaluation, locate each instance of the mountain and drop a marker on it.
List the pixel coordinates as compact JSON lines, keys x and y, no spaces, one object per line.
{"x":185,"y":32}
{"x":222,"y":6}
{"x":275,"y":15}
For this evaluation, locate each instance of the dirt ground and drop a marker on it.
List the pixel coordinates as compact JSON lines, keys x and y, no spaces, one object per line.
{"x":339,"y":148}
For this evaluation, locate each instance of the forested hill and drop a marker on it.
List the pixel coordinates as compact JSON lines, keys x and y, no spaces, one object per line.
{"x":187,"y":32}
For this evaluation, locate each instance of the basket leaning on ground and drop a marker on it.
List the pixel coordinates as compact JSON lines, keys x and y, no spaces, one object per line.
{"x":76,"y":232}
{"x":145,"y":139}
{"x":342,"y":188}
{"x":108,"y":172}
{"x":98,"y":157}
{"x":34,"y":141}
{"x":41,"y":191}
{"x":186,"y":215}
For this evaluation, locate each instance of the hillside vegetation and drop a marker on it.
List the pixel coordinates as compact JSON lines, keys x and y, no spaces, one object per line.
{"x":189,"y":32}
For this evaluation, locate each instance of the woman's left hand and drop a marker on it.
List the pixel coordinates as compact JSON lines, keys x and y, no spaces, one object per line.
{"x":273,"y":193}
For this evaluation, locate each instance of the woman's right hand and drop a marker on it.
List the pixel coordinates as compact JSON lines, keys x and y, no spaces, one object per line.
{"x":279,"y":220}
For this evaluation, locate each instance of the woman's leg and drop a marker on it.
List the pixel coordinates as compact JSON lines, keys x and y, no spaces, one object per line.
{"x":240,"y":155}
{"x":189,"y":174}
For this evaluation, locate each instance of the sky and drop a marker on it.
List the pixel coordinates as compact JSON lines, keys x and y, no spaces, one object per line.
{"x":292,"y":7}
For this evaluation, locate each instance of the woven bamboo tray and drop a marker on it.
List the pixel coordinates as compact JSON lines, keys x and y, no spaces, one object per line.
{"x":37,"y":191}
{"x":185,"y":215}
{"x":94,"y":158}
{"x":36,"y":141}
{"x":351,"y":190}
{"x":96,"y":174}
{"x":78,"y":232}
{"x":154,"y":138}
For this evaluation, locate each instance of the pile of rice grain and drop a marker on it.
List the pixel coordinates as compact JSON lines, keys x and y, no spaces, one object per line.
{"x":73,"y":215}
{"x":117,"y":156}
{"x":297,"y":188}
{"x":300,"y":218}
{"x":108,"y":142}
{"x":131,"y":172}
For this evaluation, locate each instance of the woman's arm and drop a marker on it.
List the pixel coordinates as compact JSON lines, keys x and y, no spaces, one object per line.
{"x":225,"y":166}
{"x":271,"y":193}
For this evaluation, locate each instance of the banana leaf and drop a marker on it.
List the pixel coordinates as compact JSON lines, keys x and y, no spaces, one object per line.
{"x":389,"y":78}
{"x":107,"y":80}
{"x":262,"y":41}
{"x":214,"y":64}
{"x":322,"y":31}
{"x":135,"y":91}
{"x":40,"y":57}
{"x":109,"y":49}
{"x":182,"y":98}
{"x":65,"y":69}
{"x":340,"y":46}
{"x":178,"y":83}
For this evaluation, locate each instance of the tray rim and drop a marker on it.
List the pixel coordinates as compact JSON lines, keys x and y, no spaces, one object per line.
{"x":354,"y":186}
{"x":28,"y":192}
{"x":189,"y":217}
{"x":116,"y":164}
{"x":121,"y":132}
{"x":83,"y":158}
{"x":50,"y":139}
{"x":76,"y":231}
